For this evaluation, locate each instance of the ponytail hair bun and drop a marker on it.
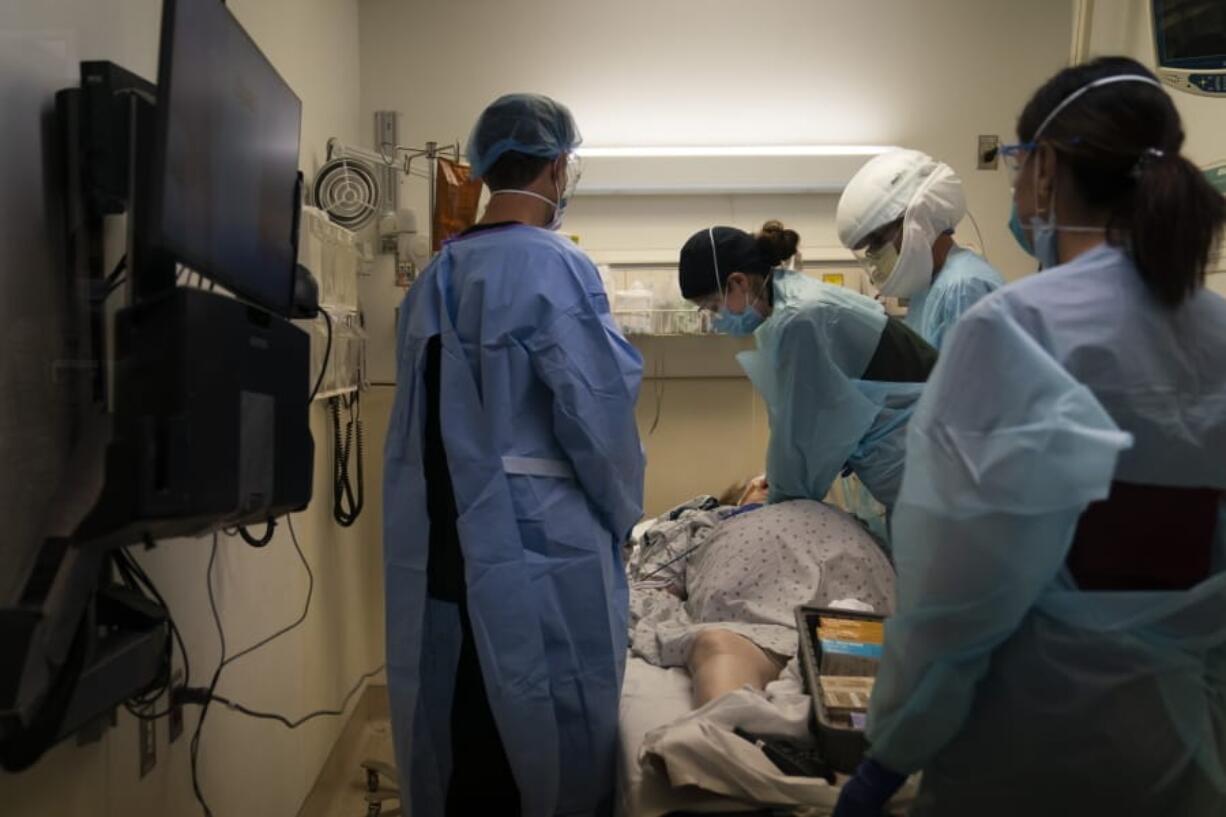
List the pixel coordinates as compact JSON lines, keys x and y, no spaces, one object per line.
{"x":776,"y":242}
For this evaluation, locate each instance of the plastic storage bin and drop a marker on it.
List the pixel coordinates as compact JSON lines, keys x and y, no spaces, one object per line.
{"x":841,"y":747}
{"x":633,"y":309}
{"x":647,"y":301}
{"x":331,"y":253}
{"x":346,"y":370}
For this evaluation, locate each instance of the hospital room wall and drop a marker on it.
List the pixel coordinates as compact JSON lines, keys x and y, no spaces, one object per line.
{"x":1124,"y":27}
{"x":929,"y":75}
{"x":247,"y":766}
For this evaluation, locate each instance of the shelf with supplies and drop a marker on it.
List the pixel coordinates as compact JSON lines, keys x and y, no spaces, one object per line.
{"x":645,"y":298}
{"x":675,"y":338}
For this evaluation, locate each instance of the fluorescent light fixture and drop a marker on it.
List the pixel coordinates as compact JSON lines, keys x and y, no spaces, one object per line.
{"x":750,"y":150}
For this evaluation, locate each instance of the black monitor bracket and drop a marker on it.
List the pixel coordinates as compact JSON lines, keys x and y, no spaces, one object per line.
{"x":207,"y":427}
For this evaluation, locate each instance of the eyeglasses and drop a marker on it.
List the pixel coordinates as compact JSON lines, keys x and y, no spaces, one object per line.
{"x":1015,"y":155}
{"x":713,"y":303}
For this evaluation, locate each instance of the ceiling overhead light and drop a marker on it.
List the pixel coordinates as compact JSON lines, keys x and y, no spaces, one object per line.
{"x":729,"y":151}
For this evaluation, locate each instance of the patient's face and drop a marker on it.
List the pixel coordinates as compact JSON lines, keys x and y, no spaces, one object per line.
{"x":756,"y":492}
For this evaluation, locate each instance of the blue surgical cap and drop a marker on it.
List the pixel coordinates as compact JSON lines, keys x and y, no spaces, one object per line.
{"x":526,"y":123}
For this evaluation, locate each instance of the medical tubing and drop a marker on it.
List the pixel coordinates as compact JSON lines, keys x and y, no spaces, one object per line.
{"x":671,"y":561}
{"x":983,"y":249}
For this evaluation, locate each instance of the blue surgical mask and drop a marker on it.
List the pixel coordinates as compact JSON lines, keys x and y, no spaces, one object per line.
{"x":731,"y":323}
{"x":1019,"y":232}
{"x":1044,"y":243}
{"x":1045,"y":247}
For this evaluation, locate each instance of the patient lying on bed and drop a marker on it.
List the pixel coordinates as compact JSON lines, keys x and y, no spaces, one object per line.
{"x":714,"y":588}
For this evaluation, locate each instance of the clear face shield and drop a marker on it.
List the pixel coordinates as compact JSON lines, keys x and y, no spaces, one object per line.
{"x":878,"y":255}
{"x":574,"y":170}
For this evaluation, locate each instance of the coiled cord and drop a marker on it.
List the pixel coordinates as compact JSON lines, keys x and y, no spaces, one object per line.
{"x":346,"y":503}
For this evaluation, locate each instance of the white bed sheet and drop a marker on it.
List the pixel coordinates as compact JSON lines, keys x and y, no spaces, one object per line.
{"x":652,"y":697}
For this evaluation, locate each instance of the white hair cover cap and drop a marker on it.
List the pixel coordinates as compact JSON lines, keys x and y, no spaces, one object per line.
{"x":909,"y":184}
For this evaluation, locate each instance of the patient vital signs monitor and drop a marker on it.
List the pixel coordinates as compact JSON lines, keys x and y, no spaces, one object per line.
{"x":1190,"y":45}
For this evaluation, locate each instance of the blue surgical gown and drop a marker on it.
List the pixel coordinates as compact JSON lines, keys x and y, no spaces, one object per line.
{"x":1014,"y":691}
{"x":810,"y":354}
{"x":538,"y":390}
{"x":964,"y":279}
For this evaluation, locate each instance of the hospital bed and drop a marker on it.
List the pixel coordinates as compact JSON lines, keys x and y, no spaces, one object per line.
{"x":655,"y":697}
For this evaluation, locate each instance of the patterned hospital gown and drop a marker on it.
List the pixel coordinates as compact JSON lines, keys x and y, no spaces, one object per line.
{"x":751,"y":572}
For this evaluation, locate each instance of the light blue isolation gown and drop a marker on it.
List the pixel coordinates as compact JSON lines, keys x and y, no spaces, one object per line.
{"x":538,"y":390}
{"x":1016,"y":692}
{"x":964,"y":279}
{"x":810,"y":354}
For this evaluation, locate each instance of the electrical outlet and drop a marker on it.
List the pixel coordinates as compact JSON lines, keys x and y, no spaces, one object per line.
{"x":175,"y":719}
{"x":989,"y":152}
{"x":148,"y":745}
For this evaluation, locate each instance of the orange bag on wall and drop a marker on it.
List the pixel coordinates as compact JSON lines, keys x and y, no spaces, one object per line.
{"x":456,"y":196}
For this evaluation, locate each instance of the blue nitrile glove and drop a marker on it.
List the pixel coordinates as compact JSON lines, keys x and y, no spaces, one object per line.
{"x":868,"y":790}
